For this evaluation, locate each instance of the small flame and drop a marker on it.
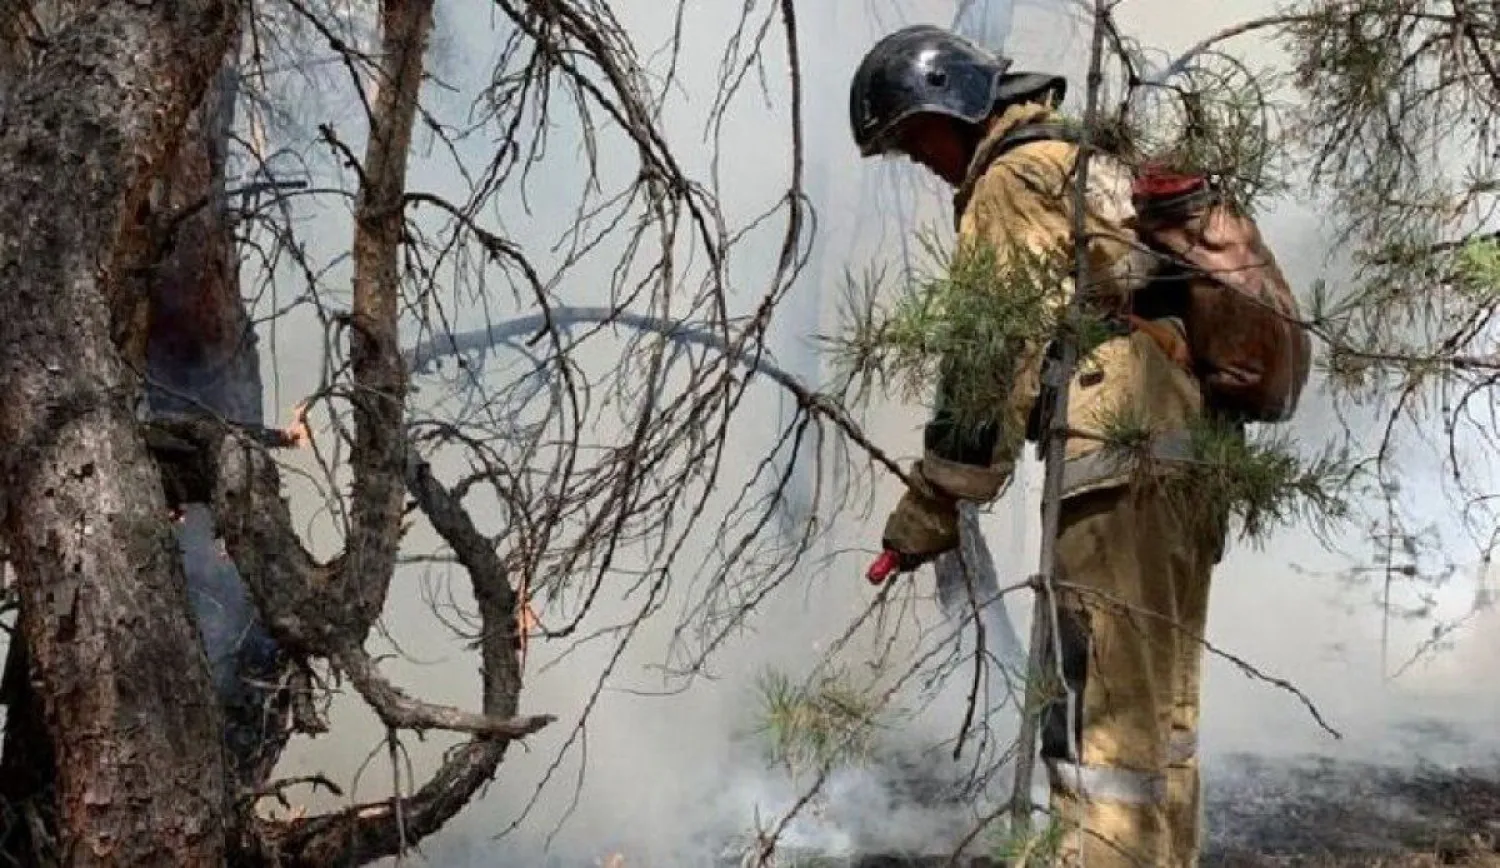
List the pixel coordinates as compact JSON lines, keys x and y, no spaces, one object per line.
{"x":526,"y":622}
{"x":298,"y":434}
{"x":529,"y":619}
{"x":176,"y":515}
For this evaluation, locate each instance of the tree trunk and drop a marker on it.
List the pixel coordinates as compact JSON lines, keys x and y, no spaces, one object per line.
{"x":201,"y":357}
{"x":28,"y":816}
{"x":201,"y":350}
{"x":126,"y":696}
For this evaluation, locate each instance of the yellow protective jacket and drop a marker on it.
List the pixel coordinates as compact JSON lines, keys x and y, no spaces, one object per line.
{"x":1023,"y":200}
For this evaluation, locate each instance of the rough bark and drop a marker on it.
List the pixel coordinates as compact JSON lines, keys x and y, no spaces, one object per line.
{"x":140,"y":765}
{"x":27,"y":818}
{"x":307,"y":603}
{"x":201,"y":359}
{"x":28,"y":825}
{"x":200,"y":356}
{"x":378,"y":457}
{"x":258,"y":530}
{"x":327,"y":609}
{"x":22,"y":24}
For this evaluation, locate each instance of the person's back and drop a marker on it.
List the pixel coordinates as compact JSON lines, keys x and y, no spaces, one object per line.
{"x":1141,"y":375}
{"x":1134,"y":556}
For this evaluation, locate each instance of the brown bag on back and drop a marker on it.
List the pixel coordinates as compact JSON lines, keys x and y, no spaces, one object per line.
{"x":1248,"y":347}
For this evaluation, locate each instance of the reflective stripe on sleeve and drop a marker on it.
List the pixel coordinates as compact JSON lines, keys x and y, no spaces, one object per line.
{"x":1108,"y":465}
{"x":1107,"y":783}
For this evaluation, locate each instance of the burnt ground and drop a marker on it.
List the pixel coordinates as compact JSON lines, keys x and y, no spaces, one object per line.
{"x":1323,"y":812}
{"x":1432,"y":798}
{"x":1404,"y":811}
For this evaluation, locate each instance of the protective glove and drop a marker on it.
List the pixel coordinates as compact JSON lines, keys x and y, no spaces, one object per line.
{"x":924,"y":523}
{"x":923,"y":526}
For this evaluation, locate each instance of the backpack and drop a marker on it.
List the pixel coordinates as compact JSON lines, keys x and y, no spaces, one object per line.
{"x":1241,"y":318}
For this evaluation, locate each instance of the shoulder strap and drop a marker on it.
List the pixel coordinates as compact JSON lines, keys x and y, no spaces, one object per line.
{"x":1046,"y":131}
{"x":1053,"y":131}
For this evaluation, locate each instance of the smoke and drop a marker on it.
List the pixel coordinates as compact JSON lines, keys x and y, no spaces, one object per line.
{"x":670,"y":777}
{"x":221,"y":605}
{"x":242,"y":656}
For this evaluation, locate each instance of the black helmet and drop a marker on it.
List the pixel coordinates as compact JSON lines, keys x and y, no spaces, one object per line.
{"x":923,"y":68}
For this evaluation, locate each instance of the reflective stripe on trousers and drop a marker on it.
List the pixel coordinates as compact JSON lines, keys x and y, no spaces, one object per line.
{"x":1107,"y":783}
{"x":1183,"y":747}
{"x":1108,"y":463}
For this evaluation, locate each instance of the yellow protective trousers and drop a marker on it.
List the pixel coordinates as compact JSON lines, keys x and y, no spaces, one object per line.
{"x":1120,"y":743}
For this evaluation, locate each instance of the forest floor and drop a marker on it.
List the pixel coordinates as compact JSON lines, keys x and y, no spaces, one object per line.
{"x":1434,"y":801}
{"x":1322,"y":812}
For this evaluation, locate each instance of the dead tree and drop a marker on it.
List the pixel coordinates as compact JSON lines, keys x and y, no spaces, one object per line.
{"x":199,"y":358}
{"x":101,"y":592}
{"x":164,"y":320}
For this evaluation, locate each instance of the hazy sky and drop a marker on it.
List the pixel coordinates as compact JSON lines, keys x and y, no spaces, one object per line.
{"x":657,"y":764}
{"x":662,"y":767}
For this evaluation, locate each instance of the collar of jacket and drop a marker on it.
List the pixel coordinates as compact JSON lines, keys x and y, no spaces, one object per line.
{"x":1012,"y":118}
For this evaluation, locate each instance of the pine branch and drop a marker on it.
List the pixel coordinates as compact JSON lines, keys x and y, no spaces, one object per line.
{"x":1210,"y":42}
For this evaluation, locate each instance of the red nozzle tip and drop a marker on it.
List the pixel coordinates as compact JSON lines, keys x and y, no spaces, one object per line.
{"x":887,"y":563}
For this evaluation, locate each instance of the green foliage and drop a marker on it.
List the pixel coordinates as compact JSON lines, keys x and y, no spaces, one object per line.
{"x":1478,"y":271}
{"x":1211,"y":117}
{"x":1124,"y":431}
{"x":1397,"y":115}
{"x":1261,"y":482}
{"x":1396,"y":108}
{"x":966,"y":321}
{"x":817,"y":726}
{"x":1257,"y":481}
{"x":1036,"y":848}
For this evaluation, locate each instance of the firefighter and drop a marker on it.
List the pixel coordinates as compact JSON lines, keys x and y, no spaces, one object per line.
{"x":1133,"y":567}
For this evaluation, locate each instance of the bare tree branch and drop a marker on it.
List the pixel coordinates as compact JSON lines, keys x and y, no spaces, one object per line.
{"x":378,"y":458}
{"x":369,"y":832}
{"x":399,"y":711}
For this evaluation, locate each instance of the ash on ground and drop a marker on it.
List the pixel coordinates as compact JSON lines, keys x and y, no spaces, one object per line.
{"x":1409,"y":809}
{"x":900,"y":807}
{"x":1323,"y":812}
{"x":1430,"y":798}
